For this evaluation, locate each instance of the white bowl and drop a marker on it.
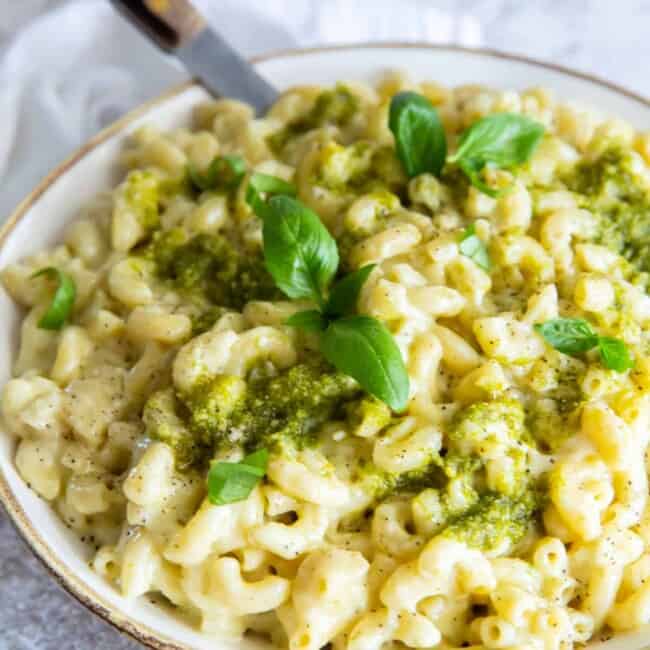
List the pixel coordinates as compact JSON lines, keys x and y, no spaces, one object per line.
{"x":40,"y":219}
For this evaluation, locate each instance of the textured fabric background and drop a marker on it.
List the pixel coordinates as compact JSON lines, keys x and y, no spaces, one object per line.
{"x":63,"y":76}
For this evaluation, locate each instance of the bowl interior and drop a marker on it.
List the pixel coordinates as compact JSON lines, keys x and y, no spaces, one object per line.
{"x":40,"y":220}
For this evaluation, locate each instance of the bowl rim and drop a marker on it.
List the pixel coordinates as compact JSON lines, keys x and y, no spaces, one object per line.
{"x":71,"y":583}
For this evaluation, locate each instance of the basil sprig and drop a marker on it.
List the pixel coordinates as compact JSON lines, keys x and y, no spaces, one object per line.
{"x":470,"y":245}
{"x":345,"y":293}
{"x":302,"y":257}
{"x":502,"y":140}
{"x":62,"y":302}
{"x":224,"y":172}
{"x":231,"y":482}
{"x":359,"y":346}
{"x":342,"y":302}
{"x":419,"y":135}
{"x":575,"y":335}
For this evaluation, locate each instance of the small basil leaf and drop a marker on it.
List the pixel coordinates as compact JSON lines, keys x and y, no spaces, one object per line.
{"x":310,"y":321}
{"x":62,"y":301}
{"x":223,"y":172}
{"x":299,"y":252}
{"x":568,"y":335}
{"x":345,"y":293}
{"x":362,"y":347}
{"x":472,"y":246}
{"x":420,"y":139}
{"x":614,"y":354}
{"x":231,"y":482}
{"x":261,"y":187}
{"x":503,"y":140}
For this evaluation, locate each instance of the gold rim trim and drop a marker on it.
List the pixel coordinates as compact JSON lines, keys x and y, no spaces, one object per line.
{"x":78,"y":589}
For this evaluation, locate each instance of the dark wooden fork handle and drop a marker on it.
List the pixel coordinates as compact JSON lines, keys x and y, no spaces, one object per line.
{"x":170,"y":23}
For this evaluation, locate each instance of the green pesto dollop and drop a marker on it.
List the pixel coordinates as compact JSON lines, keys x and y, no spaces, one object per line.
{"x":437,"y":474}
{"x":504,"y":512}
{"x":141,"y":192}
{"x":359,"y":168}
{"x":368,"y":416}
{"x":554,"y":417}
{"x":381,"y":484}
{"x":163,"y":421}
{"x":450,"y":494}
{"x":497,"y":422}
{"x":210,"y":267}
{"x":500,"y":425}
{"x":268,"y":409}
{"x":495,"y":520}
{"x":439,"y":506}
{"x":610,"y":188}
{"x":471,"y":439}
{"x":552,"y":423}
{"x":332,"y":107}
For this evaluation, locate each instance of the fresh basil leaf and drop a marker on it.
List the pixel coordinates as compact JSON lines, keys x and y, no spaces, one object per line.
{"x":362,"y":347}
{"x":223,"y":172}
{"x":614,"y":354}
{"x":503,"y":140}
{"x":231,"y":482}
{"x":473,"y":247}
{"x":420,"y":139}
{"x":310,"y":321}
{"x":568,"y":335}
{"x":299,"y":252}
{"x":345,"y":293}
{"x":262,"y":187}
{"x":62,"y":301}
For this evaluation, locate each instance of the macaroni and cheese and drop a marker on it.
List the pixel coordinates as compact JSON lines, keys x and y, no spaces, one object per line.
{"x":505,"y":507}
